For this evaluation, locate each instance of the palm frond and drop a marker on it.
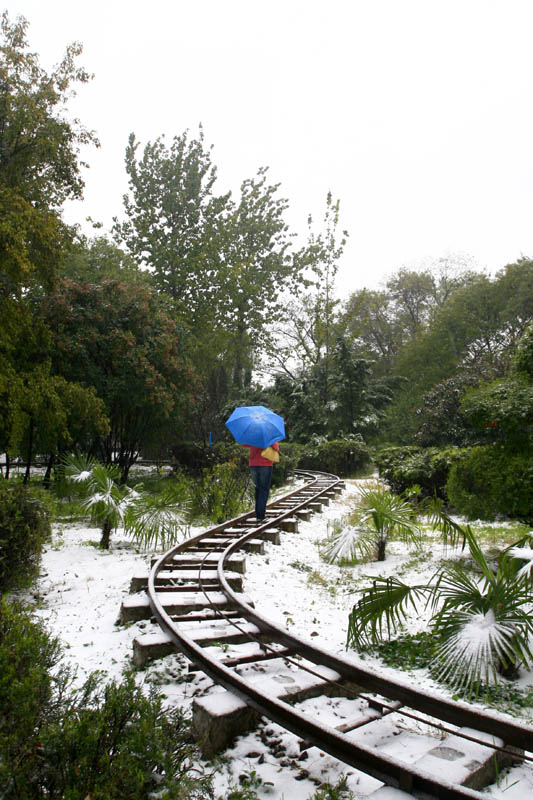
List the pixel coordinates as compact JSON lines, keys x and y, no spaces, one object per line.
{"x":104,"y":498}
{"x":523,"y":554}
{"x":475,"y":645}
{"x":158,"y":520}
{"x":78,"y":466}
{"x":452,"y":532}
{"x":383,"y":606}
{"x":341,"y":546}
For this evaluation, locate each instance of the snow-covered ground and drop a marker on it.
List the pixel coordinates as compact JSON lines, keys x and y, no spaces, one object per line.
{"x":81,"y":589}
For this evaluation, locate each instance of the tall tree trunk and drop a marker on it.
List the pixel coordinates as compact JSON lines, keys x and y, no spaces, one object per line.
{"x":48,"y":473}
{"x":30,"y":453}
{"x":381,"y":549}
{"x":106,"y":535}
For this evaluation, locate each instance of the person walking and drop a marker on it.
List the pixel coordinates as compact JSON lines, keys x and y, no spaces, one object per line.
{"x":261,"y":469}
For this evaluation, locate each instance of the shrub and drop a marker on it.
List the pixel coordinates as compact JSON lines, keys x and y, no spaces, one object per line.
{"x":289,"y":459}
{"x":99,"y":741}
{"x":343,"y":457}
{"x":193,"y":458}
{"x":27,"y":656}
{"x":427,"y":468}
{"x":489,"y":480}
{"x":222,"y":492}
{"x":24,"y":526}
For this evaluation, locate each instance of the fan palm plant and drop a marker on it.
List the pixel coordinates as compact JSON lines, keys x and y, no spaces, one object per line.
{"x":151,"y":520}
{"x":481,"y":620}
{"x":107,"y":500}
{"x":158,"y":519}
{"x":382,"y":515}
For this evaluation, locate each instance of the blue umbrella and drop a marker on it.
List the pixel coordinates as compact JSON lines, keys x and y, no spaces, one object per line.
{"x":256,"y":425}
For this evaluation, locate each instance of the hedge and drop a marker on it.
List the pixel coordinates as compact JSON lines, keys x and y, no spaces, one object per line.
{"x":426,"y":467}
{"x":24,"y":527}
{"x":343,"y":457}
{"x":490,"y":481}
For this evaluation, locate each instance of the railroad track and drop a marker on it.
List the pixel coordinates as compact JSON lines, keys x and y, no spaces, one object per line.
{"x":194,"y":592}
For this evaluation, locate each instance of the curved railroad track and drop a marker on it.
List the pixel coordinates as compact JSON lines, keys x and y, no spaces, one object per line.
{"x":193,"y":591}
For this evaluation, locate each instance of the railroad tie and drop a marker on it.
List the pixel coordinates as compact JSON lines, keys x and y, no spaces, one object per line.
{"x":137,"y":606}
{"x":185,"y":580}
{"x":236,"y":562}
{"x":219,"y":717}
{"x":150,"y":646}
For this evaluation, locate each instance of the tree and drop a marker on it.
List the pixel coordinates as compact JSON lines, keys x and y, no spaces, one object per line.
{"x":42,"y":413}
{"x":120,"y":340}
{"x":93,"y":260}
{"x":369,"y":320}
{"x":472,"y":336}
{"x":255,"y":269}
{"x":412,"y":293}
{"x":305,"y":331}
{"x":358,"y":398}
{"x":503,"y":410}
{"x":440,"y":419}
{"x":173,"y":217}
{"x":384,"y":321}
{"x":39,"y":159}
{"x":39,"y":170}
{"x":225,"y":263}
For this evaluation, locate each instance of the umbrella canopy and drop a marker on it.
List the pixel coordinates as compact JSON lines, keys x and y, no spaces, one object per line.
{"x":256,"y":425}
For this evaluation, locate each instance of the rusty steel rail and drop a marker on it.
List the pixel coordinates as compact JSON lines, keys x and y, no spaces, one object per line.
{"x":328,"y":739}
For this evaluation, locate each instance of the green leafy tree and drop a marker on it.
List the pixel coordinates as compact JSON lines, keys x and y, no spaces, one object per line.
{"x":39,"y":158}
{"x":224,"y":262}
{"x":382,"y":322}
{"x":441,"y":420}
{"x":97,"y":259}
{"x":39,"y":170}
{"x":474,"y":334}
{"x":120,"y":340}
{"x":368,"y":318}
{"x":173,"y":217}
{"x":358,"y":398}
{"x":503,"y":410}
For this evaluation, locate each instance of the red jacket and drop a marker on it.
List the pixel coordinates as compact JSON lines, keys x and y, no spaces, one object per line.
{"x":256,"y":459}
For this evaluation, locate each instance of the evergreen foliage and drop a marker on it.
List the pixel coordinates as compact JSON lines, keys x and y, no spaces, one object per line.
{"x":98,"y":741}
{"x":24,"y":527}
{"x":426,"y":468}
{"x":343,"y":457}
{"x":490,"y":481}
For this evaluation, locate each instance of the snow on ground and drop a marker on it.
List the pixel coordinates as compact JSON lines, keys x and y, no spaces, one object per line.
{"x":81,"y":589}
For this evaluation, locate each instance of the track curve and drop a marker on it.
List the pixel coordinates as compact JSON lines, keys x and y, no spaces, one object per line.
{"x":212,"y":551}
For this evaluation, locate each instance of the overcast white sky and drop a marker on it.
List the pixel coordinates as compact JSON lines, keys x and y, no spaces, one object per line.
{"x":416,"y":114}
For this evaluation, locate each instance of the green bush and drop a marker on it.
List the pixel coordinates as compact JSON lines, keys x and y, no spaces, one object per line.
{"x":428,"y":468}
{"x":289,"y":458}
{"x":194,"y":458}
{"x":343,"y":457}
{"x":221,"y":492}
{"x":27,"y":656}
{"x":102,"y":741}
{"x":24,"y":526}
{"x":488,"y":481}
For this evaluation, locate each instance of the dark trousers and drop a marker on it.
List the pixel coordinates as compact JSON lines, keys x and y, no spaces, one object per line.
{"x":261,"y":477}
